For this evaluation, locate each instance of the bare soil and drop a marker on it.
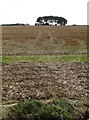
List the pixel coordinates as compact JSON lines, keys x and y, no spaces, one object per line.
{"x":27,"y":80}
{"x":23,"y":81}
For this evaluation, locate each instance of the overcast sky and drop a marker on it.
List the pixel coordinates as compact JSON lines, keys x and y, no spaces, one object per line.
{"x":27,"y":11}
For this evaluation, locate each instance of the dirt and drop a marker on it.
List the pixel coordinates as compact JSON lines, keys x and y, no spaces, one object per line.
{"x":22,"y":81}
{"x":44,"y":40}
{"x":28,"y":80}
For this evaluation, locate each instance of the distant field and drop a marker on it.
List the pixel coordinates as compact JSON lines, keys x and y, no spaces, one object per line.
{"x":44,"y":40}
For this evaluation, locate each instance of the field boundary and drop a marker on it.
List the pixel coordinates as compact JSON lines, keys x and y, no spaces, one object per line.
{"x":46,"y":58}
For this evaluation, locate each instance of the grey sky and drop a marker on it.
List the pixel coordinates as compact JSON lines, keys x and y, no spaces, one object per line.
{"x":27,"y":11}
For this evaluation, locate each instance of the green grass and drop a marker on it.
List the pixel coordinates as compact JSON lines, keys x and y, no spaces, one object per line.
{"x":57,"y":109}
{"x":45,"y":58}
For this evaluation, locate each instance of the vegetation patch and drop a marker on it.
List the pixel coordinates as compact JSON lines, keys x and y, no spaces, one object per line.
{"x":58,"y":109}
{"x":45,"y":58}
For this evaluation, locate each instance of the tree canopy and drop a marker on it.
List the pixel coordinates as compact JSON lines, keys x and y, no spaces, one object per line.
{"x":46,"y":20}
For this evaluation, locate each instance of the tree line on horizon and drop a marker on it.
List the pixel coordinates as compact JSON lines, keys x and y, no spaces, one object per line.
{"x":45,"y":20}
{"x":49,"y":20}
{"x":16,"y":24}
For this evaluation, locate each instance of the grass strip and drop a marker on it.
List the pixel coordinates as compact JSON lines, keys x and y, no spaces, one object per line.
{"x":57,"y":109}
{"x":45,"y":58}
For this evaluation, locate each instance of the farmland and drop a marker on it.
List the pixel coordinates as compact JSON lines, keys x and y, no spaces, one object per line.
{"x":44,"y":62}
{"x":44,"y":40}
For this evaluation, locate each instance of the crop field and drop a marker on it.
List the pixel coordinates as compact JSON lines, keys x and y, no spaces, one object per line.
{"x":44,"y":62}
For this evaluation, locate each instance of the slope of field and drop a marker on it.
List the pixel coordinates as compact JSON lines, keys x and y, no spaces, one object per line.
{"x":44,"y":40}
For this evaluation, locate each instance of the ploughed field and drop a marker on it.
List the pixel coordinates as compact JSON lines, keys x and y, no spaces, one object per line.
{"x":28,"y":77}
{"x":23,"y":81}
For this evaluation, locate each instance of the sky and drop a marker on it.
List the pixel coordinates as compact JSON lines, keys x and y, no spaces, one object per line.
{"x":27,"y":11}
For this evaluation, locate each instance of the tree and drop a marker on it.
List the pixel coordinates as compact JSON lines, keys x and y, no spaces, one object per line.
{"x":62,"y":21}
{"x":45,"y":19}
{"x":40,"y":19}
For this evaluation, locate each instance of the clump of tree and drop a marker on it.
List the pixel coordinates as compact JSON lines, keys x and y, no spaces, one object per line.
{"x":51,"y":20}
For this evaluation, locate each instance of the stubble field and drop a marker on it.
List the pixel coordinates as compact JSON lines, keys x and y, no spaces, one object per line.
{"x":44,"y":40}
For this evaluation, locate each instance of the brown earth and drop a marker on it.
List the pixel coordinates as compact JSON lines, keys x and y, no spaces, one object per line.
{"x":23,"y":81}
{"x":43,"y":40}
{"x":28,"y":80}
